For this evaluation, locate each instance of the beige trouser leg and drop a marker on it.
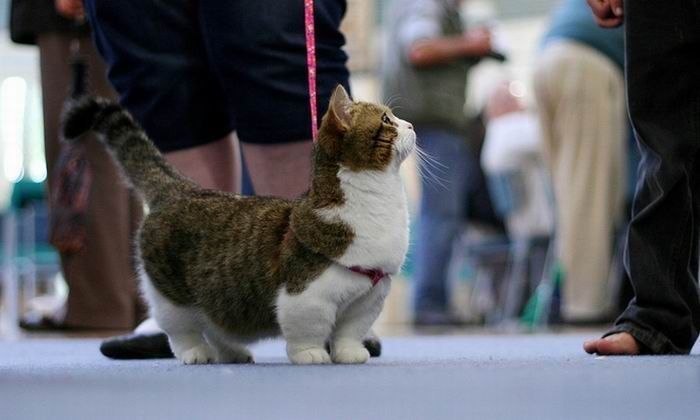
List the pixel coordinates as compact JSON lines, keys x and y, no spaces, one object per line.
{"x":100,"y":277}
{"x":580,"y":94}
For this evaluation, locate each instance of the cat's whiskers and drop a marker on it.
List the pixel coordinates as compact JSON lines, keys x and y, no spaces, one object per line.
{"x":388,"y":102}
{"x":430,"y":159}
{"x":429,"y":167}
{"x":431,"y":177}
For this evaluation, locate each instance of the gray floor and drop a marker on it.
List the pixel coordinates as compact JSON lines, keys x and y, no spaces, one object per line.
{"x":472,"y":377}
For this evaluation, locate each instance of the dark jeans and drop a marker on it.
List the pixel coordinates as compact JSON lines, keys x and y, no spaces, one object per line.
{"x":441,"y":215}
{"x":663,"y":82}
{"x":457,"y":192}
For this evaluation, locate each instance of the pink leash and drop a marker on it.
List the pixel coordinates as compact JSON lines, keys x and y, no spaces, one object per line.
{"x":375,"y":276}
{"x":311,"y":63}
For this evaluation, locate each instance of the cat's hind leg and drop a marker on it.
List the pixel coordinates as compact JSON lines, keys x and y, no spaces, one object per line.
{"x":228,"y":350}
{"x":354,"y":323}
{"x":183,"y":326}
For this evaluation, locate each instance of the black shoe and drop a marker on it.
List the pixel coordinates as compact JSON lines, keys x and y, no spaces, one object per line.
{"x":137,"y":346}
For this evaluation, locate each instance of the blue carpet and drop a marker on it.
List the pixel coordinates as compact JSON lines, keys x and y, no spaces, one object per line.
{"x":446,"y":377}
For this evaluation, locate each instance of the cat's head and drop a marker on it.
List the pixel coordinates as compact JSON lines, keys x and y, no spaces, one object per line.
{"x":364,"y":136}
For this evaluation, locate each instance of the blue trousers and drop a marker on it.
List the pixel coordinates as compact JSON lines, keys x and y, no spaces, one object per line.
{"x":443,"y":210}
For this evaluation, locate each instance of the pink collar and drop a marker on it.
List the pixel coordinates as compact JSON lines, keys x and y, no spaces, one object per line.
{"x":374,"y":275}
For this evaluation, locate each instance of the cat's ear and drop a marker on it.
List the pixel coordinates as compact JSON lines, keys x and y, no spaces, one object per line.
{"x":339,"y":109}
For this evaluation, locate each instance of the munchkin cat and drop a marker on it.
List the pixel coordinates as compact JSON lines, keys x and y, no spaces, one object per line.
{"x":221,"y":271}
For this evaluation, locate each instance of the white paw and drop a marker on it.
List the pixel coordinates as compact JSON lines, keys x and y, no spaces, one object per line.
{"x":198,"y":355}
{"x":316,"y":355}
{"x":231,"y":356}
{"x":350,"y":354}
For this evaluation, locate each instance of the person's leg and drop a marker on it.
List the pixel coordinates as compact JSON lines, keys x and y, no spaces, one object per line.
{"x":101,"y":276}
{"x":214,"y":165}
{"x":661,"y":253}
{"x":161,"y":74}
{"x":263,"y":74}
{"x":281,"y":170}
{"x":439,"y":221}
{"x":582,"y":100}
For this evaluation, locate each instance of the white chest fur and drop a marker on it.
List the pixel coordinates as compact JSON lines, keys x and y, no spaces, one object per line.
{"x":376,"y":209}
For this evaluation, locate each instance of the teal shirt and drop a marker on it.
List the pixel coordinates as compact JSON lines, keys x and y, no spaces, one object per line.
{"x":574,"y":21}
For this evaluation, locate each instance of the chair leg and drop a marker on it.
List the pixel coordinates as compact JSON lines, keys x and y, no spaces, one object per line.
{"x":10,"y":293}
{"x":545,"y":290}
{"x":517,"y":279}
{"x":28,"y":244}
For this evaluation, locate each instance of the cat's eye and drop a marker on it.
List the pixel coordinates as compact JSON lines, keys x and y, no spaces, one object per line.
{"x":386,"y":119}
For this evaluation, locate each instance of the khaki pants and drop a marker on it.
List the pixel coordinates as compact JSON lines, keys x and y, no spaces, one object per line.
{"x":100,"y":277}
{"x":580,"y":94}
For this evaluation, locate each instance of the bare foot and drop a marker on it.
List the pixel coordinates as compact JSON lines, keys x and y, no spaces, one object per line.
{"x":621,"y":344}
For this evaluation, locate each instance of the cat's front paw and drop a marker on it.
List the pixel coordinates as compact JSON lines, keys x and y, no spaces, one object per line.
{"x":353,"y":354}
{"x":312,"y":356}
{"x":198,"y":355}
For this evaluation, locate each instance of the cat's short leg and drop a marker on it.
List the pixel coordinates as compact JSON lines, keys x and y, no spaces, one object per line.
{"x":306,"y":329}
{"x":306,"y":320}
{"x":181,"y":324}
{"x":191,"y":349}
{"x":227,"y":350}
{"x":186,"y":339}
{"x":372,"y":343}
{"x":354,"y":324}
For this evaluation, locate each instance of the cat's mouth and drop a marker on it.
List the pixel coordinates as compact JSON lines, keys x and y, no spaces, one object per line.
{"x":405,"y":144}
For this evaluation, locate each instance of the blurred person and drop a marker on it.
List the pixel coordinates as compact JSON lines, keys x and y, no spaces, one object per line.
{"x":428,"y":56}
{"x":579,"y":89}
{"x":520,"y":188}
{"x":661,"y":253}
{"x":102,"y":291}
{"x":512,"y":155}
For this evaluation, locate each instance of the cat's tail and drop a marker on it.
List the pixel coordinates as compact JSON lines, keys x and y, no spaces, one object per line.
{"x":141,"y":162}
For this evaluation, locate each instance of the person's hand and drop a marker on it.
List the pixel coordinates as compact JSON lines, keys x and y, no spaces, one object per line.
{"x":501,"y":101}
{"x":607,"y":13}
{"x":478,"y":42}
{"x":71,"y":9}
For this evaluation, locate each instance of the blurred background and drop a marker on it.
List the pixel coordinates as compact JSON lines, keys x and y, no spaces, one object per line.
{"x":503,"y":273}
